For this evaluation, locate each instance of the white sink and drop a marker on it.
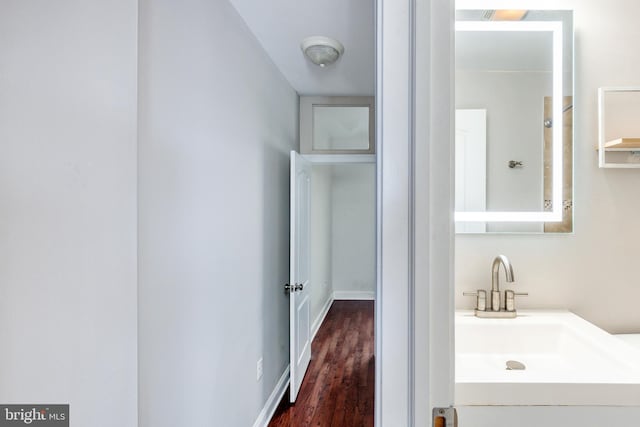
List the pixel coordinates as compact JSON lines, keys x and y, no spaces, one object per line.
{"x":568,"y":361}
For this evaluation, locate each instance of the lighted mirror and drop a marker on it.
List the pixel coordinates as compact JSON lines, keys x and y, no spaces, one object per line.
{"x":514,"y":121}
{"x":337,"y":125}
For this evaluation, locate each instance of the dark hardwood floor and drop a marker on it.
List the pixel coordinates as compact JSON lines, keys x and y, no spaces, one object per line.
{"x":338,"y":389}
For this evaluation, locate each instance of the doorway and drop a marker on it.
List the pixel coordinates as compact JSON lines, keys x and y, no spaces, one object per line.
{"x":333,"y":245}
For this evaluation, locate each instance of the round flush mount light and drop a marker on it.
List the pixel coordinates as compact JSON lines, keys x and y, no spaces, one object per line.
{"x":322,"y":51}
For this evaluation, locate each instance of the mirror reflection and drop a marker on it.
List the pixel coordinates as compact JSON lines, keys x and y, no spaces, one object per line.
{"x":509,"y":77}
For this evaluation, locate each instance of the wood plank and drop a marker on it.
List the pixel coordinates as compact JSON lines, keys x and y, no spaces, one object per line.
{"x":623,"y":143}
{"x":338,"y":389}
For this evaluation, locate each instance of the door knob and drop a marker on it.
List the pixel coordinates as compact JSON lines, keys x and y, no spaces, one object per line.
{"x":294,"y":288}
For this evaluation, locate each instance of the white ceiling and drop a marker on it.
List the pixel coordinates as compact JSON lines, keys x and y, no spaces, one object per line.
{"x":280,"y":26}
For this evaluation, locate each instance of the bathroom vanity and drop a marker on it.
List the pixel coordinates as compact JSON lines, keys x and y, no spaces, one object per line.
{"x":567,"y":361}
{"x":574,"y":372}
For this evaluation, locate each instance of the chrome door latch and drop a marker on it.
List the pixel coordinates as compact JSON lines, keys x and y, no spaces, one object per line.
{"x":445,"y":417}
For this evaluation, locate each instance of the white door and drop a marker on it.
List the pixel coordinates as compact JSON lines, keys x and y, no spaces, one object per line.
{"x":299,"y":303}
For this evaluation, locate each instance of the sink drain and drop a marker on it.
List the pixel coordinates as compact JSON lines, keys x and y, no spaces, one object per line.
{"x":514,"y":365}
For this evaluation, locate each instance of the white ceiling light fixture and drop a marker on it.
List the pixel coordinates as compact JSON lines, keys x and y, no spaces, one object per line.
{"x":322,"y":51}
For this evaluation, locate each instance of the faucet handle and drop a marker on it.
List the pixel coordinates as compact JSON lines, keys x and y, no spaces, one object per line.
{"x":481,"y":300}
{"x":509,"y":299}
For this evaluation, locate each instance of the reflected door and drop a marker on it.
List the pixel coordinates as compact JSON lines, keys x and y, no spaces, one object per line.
{"x":471,"y":167}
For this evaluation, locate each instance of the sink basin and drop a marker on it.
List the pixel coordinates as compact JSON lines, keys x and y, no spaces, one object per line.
{"x":567,"y":361}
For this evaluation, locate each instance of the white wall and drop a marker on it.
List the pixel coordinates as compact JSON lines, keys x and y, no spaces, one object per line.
{"x":68,"y":207}
{"x":353,"y":230}
{"x":321,"y":218}
{"x":217,"y":122}
{"x":342,"y":234}
{"x":593,"y":272}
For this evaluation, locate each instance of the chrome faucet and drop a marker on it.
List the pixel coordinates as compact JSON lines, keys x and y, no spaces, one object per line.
{"x":496,"y":309}
{"x":495,"y":279}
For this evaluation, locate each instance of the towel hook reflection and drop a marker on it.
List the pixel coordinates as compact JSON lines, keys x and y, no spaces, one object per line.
{"x":548,"y":123}
{"x":515,"y":164}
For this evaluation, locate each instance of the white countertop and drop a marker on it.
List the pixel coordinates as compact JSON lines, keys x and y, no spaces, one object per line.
{"x":633,"y":339}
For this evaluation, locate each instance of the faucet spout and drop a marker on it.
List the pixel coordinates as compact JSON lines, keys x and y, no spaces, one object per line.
{"x":495,"y":279}
{"x":495,"y":269}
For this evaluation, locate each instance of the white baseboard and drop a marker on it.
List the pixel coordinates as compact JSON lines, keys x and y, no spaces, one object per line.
{"x":323,"y":313}
{"x":274,"y":400}
{"x":354,"y":295}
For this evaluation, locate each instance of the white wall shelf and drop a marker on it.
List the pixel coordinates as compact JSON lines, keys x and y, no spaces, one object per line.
{"x":340,"y":158}
{"x":615,"y":151}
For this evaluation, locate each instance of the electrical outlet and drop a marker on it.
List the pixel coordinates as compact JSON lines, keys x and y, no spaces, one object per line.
{"x":259,"y":370}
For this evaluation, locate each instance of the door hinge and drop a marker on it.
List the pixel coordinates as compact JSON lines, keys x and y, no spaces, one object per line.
{"x":445,"y":417}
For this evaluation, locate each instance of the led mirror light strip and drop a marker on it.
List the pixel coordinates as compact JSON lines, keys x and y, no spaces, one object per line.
{"x":556,"y":214}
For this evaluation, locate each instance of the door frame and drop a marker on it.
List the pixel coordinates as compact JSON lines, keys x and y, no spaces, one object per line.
{"x":311,"y":160}
{"x":415,"y":300}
